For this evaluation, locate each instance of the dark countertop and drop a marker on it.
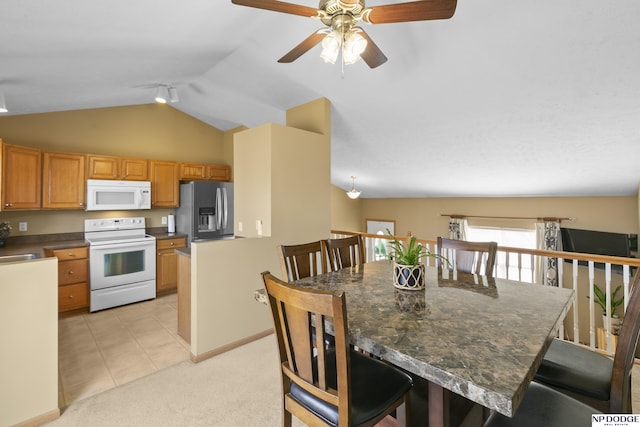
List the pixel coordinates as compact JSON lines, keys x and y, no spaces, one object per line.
{"x":163,"y":234}
{"x":37,"y":244}
{"x":38,"y":248}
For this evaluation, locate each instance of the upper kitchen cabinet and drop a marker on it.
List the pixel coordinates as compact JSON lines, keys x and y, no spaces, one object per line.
{"x":165,"y":184}
{"x":63,"y":181}
{"x":218,"y":172}
{"x":21,"y":178}
{"x":191,"y":171}
{"x":110,"y":167}
{"x":200,"y":171}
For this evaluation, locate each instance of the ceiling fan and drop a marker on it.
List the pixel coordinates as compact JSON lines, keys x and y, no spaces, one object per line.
{"x":343,"y":34}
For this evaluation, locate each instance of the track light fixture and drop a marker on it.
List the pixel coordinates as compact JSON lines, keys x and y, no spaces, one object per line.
{"x":3,"y":104}
{"x":166,"y":93}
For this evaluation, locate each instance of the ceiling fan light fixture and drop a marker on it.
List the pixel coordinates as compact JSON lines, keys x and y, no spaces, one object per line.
{"x":353,"y":193}
{"x":331,"y":47}
{"x":354,"y":45}
{"x":162,"y":95}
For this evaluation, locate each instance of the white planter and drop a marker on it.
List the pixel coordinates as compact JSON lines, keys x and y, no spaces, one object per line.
{"x":408,"y":277}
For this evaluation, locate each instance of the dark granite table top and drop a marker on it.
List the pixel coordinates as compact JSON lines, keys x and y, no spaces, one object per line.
{"x":478,"y":337}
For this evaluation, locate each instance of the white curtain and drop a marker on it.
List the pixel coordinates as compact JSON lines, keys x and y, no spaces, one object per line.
{"x":548,"y":238}
{"x":458,"y":228}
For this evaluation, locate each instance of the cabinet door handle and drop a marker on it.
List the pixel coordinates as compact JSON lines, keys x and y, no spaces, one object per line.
{"x":70,"y":273}
{"x":172,"y":244}
{"x":71,"y":254}
{"x":70,"y":296}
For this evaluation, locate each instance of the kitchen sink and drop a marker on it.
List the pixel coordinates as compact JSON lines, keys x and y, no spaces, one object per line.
{"x":18,"y":257}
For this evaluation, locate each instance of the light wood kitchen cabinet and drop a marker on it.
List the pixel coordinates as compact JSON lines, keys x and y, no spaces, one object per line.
{"x":167,"y":263}
{"x":218,"y":172}
{"x":111,"y":167}
{"x":190,"y":171}
{"x":21,"y":178}
{"x":201,"y":171}
{"x":73,"y":277}
{"x":63,"y":181}
{"x":165,"y":184}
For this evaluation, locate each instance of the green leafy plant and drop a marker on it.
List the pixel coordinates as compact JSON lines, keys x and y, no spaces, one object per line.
{"x":601,"y":299}
{"x":410,"y":254}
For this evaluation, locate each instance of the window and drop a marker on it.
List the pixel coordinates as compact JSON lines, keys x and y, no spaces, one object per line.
{"x":513,"y":266}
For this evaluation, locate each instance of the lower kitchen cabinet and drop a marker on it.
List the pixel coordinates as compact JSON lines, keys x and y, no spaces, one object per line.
{"x":73,"y":277}
{"x":167,"y":263}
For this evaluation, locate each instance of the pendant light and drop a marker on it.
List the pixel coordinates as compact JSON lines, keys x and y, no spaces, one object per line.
{"x":353,"y":193}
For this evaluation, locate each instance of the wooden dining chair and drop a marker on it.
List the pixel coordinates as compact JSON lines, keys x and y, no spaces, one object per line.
{"x":544,"y":406}
{"x":329,"y":386}
{"x":593,"y":378}
{"x":303,"y":260}
{"x":346,"y":252}
{"x":468,"y":257}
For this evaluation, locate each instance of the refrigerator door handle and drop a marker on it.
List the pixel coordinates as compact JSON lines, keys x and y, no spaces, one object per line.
{"x":218,"y":209}
{"x":225,"y":210}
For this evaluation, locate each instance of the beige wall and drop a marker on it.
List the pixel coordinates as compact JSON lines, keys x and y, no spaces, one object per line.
{"x":346,"y":214}
{"x":423,"y":216}
{"x":282,"y":176}
{"x":151,"y":131}
{"x":29,"y":331}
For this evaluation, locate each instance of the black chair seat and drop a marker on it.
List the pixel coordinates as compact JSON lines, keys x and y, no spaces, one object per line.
{"x":545,"y":407}
{"x":569,"y":367}
{"x":371,"y":381}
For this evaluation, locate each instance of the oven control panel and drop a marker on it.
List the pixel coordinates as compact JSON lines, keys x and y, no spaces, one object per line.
{"x":109,"y":224}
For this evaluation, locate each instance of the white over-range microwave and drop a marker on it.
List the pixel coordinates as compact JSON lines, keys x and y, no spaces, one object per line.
{"x":108,"y":195}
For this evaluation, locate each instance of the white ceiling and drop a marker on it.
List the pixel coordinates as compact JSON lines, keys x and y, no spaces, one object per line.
{"x":507,"y":98}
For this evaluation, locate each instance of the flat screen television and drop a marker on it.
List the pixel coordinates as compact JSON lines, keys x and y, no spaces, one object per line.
{"x":598,"y":243}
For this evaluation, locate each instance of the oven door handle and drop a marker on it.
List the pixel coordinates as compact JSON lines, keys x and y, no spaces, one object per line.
{"x":110,"y":246}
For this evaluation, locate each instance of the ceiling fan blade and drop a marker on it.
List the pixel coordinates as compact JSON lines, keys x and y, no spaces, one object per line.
{"x":372,"y":55}
{"x":423,"y":10}
{"x":305,"y":46}
{"x":279,"y":6}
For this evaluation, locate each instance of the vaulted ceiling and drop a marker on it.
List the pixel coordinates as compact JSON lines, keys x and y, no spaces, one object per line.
{"x":507,"y":98}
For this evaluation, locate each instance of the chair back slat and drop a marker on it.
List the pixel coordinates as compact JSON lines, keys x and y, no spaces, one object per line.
{"x":303,"y":260}
{"x":346,"y":252}
{"x":468,"y":257}
{"x":625,"y":352}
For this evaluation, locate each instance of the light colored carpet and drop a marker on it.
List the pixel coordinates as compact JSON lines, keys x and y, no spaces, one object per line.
{"x":237,"y":388}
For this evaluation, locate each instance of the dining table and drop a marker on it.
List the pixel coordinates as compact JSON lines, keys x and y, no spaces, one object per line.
{"x":479,"y":337}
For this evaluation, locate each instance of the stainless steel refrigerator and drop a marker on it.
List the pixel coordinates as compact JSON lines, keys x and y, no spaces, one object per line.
{"x":206,"y":210}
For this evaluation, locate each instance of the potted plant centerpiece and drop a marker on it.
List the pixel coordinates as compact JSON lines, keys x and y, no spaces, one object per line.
{"x":408,"y":271}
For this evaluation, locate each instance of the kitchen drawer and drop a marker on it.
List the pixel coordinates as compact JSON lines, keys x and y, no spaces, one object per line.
{"x":70,"y":253}
{"x":73,"y":296}
{"x":172,"y":243}
{"x":73,"y":271}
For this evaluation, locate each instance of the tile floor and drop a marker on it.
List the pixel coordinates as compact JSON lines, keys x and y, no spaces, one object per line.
{"x":99,"y":351}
